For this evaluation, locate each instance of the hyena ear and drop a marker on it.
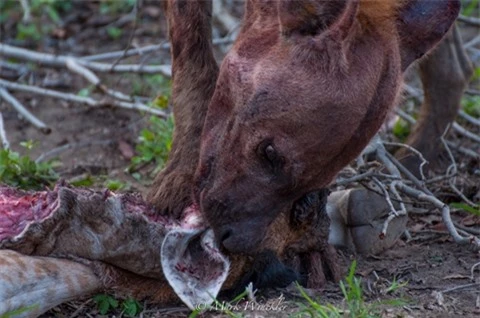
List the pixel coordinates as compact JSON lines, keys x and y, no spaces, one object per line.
{"x":312,"y":17}
{"x":422,"y":24}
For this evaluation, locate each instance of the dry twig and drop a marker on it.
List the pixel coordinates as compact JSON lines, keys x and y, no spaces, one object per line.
{"x":452,"y":171}
{"x":472,"y":91}
{"x":79,"y":99}
{"x":472,"y":42}
{"x":472,"y":271}
{"x":415,"y":151}
{"x":472,"y":120}
{"x":54,"y":152}
{"x":222,"y":15}
{"x":23,"y":111}
{"x":60,"y":61}
{"x":3,"y":134}
{"x":73,"y":66}
{"x":418,"y":95}
{"x":397,"y":184}
{"x":146,"y":49}
{"x":466,"y":286}
{"x":465,"y":132}
{"x":419,"y":195}
{"x":26,"y":11}
{"x":461,"y":149}
{"x":134,"y":13}
{"x":469,"y":20}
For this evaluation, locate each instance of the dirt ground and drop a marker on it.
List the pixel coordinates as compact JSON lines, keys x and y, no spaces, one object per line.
{"x":438,"y":274}
{"x":441,"y":276}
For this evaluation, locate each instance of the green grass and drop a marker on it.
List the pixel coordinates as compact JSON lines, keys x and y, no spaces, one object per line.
{"x":116,"y":6}
{"x":470,"y":8}
{"x":471,"y":105}
{"x":107,"y":304}
{"x":131,"y":307}
{"x":21,"y":171}
{"x":46,"y":15}
{"x":401,"y":129}
{"x":115,"y":185}
{"x":466,"y":207}
{"x":354,"y":304}
{"x":17,"y":312}
{"x":154,"y":144}
{"x":224,"y":307}
{"x":103,"y":181}
{"x":114,"y":33}
{"x":151,"y":85}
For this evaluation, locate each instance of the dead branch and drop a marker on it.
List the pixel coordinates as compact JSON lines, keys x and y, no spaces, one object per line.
{"x":472,"y":270}
{"x":469,"y":20}
{"x":79,"y":99}
{"x":472,"y":120}
{"x":408,"y":175}
{"x":60,"y":61}
{"x":472,"y":91}
{"x":381,"y":154}
{"x":146,"y":49}
{"x":426,"y":195}
{"x":396,"y":213}
{"x":475,"y":54}
{"x":26,"y":11}
{"x":466,"y":286}
{"x":415,"y":151}
{"x":223,"y":16}
{"x":445,"y":214}
{"x":13,"y":66}
{"x":385,"y":194}
{"x":461,"y":149}
{"x":411,"y":187}
{"x":134,"y":15}
{"x":127,"y":53}
{"x":464,"y":132}
{"x":405,"y":116}
{"x":82,"y":71}
{"x":467,"y":229}
{"x":3,"y":134}
{"x":73,"y":66}
{"x":414,"y":92}
{"x":23,"y":111}
{"x":418,"y":95}
{"x":472,"y":42}
{"x":54,"y":152}
{"x":363,"y":176}
{"x":452,"y":171}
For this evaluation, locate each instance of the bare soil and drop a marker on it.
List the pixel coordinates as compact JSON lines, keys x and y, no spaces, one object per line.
{"x":440,"y":278}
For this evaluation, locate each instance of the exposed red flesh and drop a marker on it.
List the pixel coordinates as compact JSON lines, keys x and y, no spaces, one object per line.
{"x":119,"y":237}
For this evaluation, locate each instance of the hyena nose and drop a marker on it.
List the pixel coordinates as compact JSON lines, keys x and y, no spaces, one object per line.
{"x":238,"y":239}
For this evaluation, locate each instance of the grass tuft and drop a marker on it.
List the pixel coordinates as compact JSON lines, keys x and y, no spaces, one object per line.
{"x":354,"y":304}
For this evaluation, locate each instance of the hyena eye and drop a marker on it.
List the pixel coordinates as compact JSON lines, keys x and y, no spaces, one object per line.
{"x":269,"y":156}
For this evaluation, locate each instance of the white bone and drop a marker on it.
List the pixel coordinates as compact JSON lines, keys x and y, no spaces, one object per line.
{"x":191,"y":288}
